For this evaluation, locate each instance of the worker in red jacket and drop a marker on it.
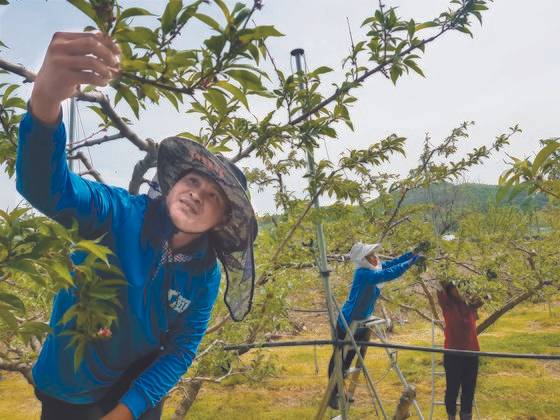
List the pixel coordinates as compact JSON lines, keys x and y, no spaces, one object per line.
{"x":460,"y":334}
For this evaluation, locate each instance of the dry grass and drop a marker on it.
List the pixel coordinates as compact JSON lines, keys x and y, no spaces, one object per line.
{"x":508,"y":389}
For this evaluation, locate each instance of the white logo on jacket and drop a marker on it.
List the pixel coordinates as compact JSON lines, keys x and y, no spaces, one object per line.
{"x":177,"y":302}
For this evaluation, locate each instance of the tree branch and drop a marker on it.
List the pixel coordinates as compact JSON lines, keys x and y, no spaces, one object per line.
{"x":357,"y":81}
{"x":508,"y":306}
{"x":23,"y":368}
{"x":28,"y":76}
{"x":90,"y":169}
{"x":95,"y":142}
{"x":96,"y":97}
{"x":141,"y":167}
{"x":413,"y":309}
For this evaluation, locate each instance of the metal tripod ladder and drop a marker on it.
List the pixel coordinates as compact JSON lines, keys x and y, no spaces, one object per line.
{"x":379,"y":327}
{"x":341,"y":352}
{"x":436,"y":373}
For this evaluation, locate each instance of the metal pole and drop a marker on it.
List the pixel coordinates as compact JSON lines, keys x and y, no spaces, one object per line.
{"x":298,"y":54}
{"x":72,"y":133}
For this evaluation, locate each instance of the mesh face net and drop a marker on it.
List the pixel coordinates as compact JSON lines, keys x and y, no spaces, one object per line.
{"x":239,"y":267}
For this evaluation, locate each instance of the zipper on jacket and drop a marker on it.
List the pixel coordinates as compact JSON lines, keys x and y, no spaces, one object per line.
{"x":152,"y":277}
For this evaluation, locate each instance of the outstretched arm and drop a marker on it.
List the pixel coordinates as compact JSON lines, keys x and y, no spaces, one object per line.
{"x":45,"y":181}
{"x":398,"y":260}
{"x":391,"y":273}
{"x":43,"y":177}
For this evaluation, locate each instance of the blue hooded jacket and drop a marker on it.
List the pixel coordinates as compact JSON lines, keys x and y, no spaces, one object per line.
{"x":165,"y":306}
{"x":364,"y":292}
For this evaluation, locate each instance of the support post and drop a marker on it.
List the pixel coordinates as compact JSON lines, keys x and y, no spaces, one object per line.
{"x":72,"y":131}
{"x":298,"y":55}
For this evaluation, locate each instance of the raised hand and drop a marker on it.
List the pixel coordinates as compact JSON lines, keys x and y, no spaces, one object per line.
{"x":422,"y":247}
{"x":72,"y":58}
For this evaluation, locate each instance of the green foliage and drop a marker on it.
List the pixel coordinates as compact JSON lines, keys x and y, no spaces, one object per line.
{"x":478,"y":197}
{"x":542,"y":174}
{"x":9,"y":121}
{"x":35,"y":263}
{"x":218,"y":82}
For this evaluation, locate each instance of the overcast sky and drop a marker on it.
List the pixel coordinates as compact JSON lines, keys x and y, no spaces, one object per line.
{"x":509,"y":73}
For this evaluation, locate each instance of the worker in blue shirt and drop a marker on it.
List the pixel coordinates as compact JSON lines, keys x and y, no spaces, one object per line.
{"x":370,"y":273}
{"x":167,"y":245}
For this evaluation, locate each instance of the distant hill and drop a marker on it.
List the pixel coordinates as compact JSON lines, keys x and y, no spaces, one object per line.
{"x":465,"y":196}
{"x":472,"y":196}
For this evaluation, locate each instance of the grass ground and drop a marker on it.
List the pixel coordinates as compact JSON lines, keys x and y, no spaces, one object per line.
{"x":508,"y":389}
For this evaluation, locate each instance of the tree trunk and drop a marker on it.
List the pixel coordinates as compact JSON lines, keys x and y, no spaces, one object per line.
{"x":28,"y":376}
{"x":508,"y":306}
{"x":403,"y":408}
{"x":387,"y":316}
{"x":24,"y":369}
{"x":430,"y":298}
{"x":190,"y":390}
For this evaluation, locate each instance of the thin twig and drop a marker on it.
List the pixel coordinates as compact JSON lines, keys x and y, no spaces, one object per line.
{"x":90,"y":169}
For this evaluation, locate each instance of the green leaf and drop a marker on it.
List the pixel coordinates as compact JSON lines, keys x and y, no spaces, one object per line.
{"x":322,"y":70}
{"x":412,"y":64}
{"x":224,"y":9}
{"x":79,"y":354}
{"x":129,"y":97}
{"x":219,"y":148}
{"x":135,"y":11}
{"x":259,"y":32}
{"x":7,"y":93}
{"x":13,"y":301}
{"x":8,"y":318}
{"x":103,"y":294}
{"x":113,"y":282}
{"x":395,"y":73}
{"x":246,"y":79}
{"x":424,"y":25}
{"x":236,"y":93}
{"x":100,"y":251}
{"x":26,"y":266}
{"x":15,"y":103}
{"x":217,"y":99}
{"x":3,"y":45}
{"x":62,"y":272}
{"x":68,"y":315}
{"x":502,"y":192}
{"x":543,"y":155}
{"x":85,"y":7}
{"x":139,"y":36}
{"x":189,"y":12}
{"x":60,"y":231}
{"x":268,"y":30}
{"x":133,"y":65}
{"x":216,"y":44}
{"x":171,"y":98}
{"x":516,"y":190}
{"x":190,"y":136}
{"x":209,"y":21}
{"x":168,"y":20}
{"x":465,"y":30}
{"x":35,"y":328}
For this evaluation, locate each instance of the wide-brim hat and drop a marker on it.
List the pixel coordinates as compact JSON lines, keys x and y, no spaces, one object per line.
{"x":233,"y":241}
{"x":360,"y":250}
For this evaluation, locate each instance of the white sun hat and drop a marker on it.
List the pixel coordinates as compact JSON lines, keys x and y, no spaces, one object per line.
{"x":360,"y":250}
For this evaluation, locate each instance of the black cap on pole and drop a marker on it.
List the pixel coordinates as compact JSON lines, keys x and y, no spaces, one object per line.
{"x":297,"y":51}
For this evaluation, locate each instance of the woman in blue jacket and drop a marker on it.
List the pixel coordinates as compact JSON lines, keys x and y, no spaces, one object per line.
{"x":167,"y":247}
{"x":369,"y":274}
